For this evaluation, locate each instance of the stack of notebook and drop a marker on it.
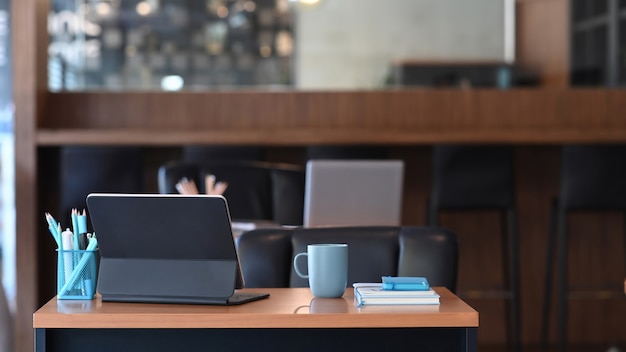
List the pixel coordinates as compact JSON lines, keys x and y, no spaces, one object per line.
{"x":374,"y":294}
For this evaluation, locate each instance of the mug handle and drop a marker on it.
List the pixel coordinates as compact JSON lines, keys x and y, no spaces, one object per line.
{"x":297,"y":310}
{"x":295,"y":265}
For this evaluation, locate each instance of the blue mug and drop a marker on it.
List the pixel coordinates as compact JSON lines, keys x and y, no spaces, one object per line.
{"x":327,"y":269}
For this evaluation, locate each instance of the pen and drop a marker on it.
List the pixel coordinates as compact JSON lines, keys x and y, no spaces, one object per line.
{"x":82,"y":230}
{"x":82,"y":241}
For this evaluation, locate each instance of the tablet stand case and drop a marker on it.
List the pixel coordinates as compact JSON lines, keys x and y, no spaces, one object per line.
{"x":167,"y":280}
{"x":166,"y":249}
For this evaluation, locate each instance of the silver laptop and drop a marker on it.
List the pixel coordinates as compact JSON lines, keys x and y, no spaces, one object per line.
{"x":166,"y":248}
{"x":353,"y":192}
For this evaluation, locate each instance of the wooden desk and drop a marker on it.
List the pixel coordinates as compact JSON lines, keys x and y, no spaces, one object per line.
{"x":291,"y":319}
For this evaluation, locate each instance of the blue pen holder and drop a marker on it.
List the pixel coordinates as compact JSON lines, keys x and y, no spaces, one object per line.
{"x":77,"y":273}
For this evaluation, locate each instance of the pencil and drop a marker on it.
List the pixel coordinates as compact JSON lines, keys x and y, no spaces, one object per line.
{"x":75,"y":228}
{"x":55,"y":229}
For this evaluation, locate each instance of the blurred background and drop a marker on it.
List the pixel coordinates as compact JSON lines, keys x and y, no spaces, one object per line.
{"x":82,"y":50}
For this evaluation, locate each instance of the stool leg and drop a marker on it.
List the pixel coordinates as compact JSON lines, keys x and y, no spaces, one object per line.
{"x":624,"y":247}
{"x":562,"y":283}
{"x":433,"y":214}
{"x":547,"y":293}
{"x":514,"y":279}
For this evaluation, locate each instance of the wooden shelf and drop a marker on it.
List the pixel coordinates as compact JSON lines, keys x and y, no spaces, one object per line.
{"x":292,"y":137}
{"x":409,"y":116}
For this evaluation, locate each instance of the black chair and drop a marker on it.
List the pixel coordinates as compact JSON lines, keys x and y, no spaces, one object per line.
{"x":266,"y":255}
{"x":593,"y":178}
{"x":481,"y":177}
{"x":256,"y":190}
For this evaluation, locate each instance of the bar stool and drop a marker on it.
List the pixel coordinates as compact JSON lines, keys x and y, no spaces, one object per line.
{"x":593,"y":178}
{"x":481,"y":177}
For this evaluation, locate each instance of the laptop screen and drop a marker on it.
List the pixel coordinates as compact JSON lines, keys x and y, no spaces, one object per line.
{"x":353,"y":192}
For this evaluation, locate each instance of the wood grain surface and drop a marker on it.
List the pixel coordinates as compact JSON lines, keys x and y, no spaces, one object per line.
{"x":416,"y":116}
{"x":285,"y":308}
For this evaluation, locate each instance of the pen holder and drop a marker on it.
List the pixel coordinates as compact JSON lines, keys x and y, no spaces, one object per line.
{"x":77,"y":272}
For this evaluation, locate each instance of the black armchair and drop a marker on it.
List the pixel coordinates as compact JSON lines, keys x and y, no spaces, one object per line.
{"x":266,"y":255}
{"x":256,"y":190}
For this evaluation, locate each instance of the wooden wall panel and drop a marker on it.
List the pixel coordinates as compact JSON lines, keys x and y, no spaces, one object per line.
{"x":29,"y":33}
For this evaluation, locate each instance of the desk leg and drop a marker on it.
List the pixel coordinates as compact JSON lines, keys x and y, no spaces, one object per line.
{"x":40,"y":340}
{"x":471,"y":339}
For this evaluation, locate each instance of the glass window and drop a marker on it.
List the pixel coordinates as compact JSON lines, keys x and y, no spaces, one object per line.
{"x":310,"y":44}
{"x":168,"y":44}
